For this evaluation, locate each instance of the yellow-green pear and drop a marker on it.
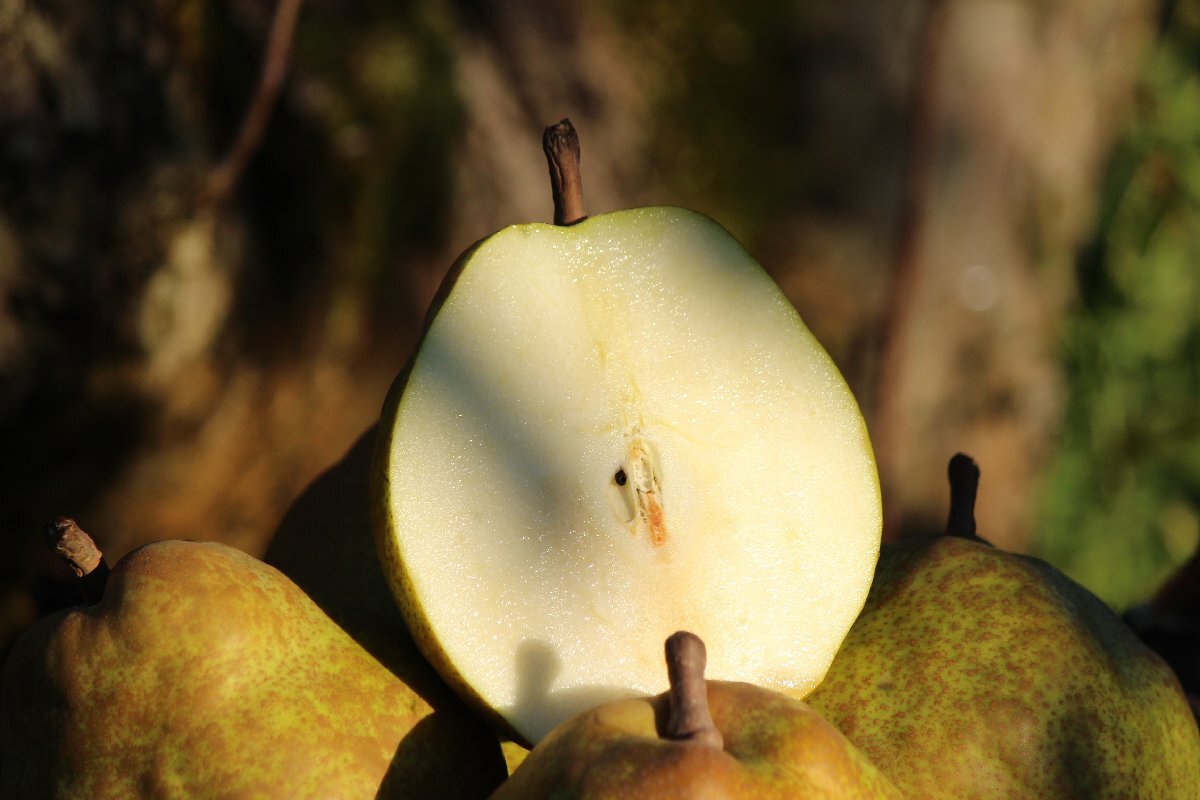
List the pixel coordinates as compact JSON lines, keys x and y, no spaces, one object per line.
{"x":612,"y":430}
{"x":201,"y":672}
{"x":716,"y":740}
{"x":975,"y":673}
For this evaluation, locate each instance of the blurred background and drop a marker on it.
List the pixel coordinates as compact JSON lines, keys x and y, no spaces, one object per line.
{"x":987,"y":210}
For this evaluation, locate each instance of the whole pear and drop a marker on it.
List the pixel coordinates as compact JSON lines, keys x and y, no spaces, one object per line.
{"x":977,"y":673}
{"x":203,"y":672}
{"x":713,"y":739}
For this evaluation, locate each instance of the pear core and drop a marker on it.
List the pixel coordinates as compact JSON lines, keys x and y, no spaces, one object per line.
{"x":613,"y":431}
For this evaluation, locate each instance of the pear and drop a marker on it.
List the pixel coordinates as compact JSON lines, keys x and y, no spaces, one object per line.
{"x":612,"y":430}
{"x":202,"y":672}
{"x":977,"y":673}
{"x":714,"y":740}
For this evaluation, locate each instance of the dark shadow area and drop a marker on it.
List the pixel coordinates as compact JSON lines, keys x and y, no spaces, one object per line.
{"x":429,"y":763}
{"x":1176,"y":639}
{"x":29,"y":706}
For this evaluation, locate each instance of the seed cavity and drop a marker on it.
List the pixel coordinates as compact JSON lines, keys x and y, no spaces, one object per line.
{"x":641,"y":466}
{"x":635,"y":491}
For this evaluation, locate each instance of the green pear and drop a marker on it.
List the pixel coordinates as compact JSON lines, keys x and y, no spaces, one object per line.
{"x":977,"y":673}
{"x":612,"y":430}
{"x":203,"y":672}
{"x":713,"y":740}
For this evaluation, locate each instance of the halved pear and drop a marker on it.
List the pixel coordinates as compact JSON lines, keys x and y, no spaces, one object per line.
{"x":613,"y":431}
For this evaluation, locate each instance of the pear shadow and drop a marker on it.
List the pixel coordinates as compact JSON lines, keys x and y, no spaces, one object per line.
{"x":532,"y":474}
{"x":537,"y":667}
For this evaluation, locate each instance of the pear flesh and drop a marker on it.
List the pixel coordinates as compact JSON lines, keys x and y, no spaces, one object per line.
{"x":612,"y":431}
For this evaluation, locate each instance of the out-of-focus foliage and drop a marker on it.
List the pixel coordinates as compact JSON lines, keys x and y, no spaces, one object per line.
{"x":1121,"y":498}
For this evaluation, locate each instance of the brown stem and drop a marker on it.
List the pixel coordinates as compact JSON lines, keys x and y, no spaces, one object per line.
{"x":75,"y":547}
{"x":964,"y":485}
{"x":561,"y":145}
{"x":270,"y":81}
{"x":688,"y":718}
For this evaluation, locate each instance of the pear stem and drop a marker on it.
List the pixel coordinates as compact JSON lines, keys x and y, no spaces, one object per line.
{"x":81,"y":554}
{"x":688,"y":717}
{"x":560,"y":142}
{"x":964,"y":484}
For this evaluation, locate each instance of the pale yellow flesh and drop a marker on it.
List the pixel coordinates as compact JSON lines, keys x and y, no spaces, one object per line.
{"x":648,"y":342}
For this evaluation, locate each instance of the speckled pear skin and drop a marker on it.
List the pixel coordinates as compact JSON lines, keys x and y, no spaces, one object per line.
{"x":775,"y":747}
{"x":202,"y":673}
{"x":977,"y":673}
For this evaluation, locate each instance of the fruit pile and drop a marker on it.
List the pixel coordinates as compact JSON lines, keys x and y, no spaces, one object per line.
{"x":616,"y":433}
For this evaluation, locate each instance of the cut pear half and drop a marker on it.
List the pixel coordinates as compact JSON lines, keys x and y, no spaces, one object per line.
{"x":613,"y":431}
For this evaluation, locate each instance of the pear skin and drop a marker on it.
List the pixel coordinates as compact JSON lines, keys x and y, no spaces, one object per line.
{"x":977,"y":673}
{"x":203,"y":672}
